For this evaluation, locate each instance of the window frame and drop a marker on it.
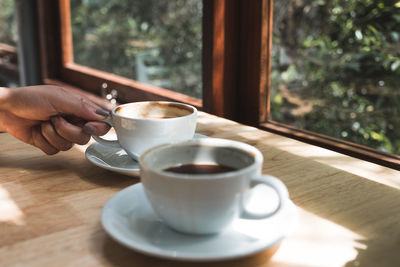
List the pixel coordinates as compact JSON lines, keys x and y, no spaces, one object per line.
{"x":236,"y":70}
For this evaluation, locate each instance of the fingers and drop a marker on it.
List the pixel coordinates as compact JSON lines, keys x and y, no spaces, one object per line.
{"x":40,"y":141}
{"x":104,"y":103}
{"x":70,"y":132}
{"x":59,"y":135}
{"x":78,"y":105}
{"x":54,"y":138}
{"x":28,"y":131}
{"x":39,"y":103}
{"x":96,"y":128}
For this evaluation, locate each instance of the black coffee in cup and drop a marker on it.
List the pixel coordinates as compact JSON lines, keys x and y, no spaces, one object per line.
{"x":199,"y":169}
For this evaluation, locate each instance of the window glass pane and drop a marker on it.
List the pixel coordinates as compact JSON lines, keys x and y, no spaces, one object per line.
{"x":8,"y":27}
{"x":152,"y":41}
{"x":336,"y":69}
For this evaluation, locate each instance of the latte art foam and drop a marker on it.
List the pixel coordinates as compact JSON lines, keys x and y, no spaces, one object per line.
{"x":153,"y":111}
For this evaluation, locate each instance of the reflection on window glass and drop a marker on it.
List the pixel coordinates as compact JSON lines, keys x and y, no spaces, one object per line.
{"x":152,"y":41}
{"x":336,"y":69}
{"x":8,"y":27}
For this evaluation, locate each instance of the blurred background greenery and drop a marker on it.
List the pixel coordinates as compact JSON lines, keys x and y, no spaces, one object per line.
{"x":336,"y":69}
{"x":335,"y":63}
{"x":154,"y":41}
{"x":8,"y":26}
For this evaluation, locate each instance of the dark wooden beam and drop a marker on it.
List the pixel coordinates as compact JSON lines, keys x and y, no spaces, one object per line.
{"x":220,"y":64}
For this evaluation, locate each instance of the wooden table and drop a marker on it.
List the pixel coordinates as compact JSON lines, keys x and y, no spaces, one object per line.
{"x":50,"y":206}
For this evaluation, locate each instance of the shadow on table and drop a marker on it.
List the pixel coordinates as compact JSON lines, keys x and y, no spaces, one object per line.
{"x":376,"y":254}
{"x":49,"y":166}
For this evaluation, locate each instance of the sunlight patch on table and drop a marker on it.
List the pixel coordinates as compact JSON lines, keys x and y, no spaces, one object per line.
{"x":318,"y":242}
{"x":9,"y":210}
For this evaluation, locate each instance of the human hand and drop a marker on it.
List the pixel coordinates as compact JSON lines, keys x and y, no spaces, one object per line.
{"x":50,"y":117}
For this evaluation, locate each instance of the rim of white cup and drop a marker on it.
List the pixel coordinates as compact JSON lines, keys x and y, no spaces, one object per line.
{"x":215,"y":142}
{"x":193,"y":113}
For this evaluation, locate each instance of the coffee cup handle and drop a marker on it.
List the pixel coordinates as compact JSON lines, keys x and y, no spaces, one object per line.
{"x":109,"y":143}
{"x":280,"y":189}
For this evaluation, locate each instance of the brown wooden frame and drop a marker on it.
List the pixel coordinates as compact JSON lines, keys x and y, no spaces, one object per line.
{"x":237,"y":41}
{"x":235,"y":61}
{"x":341,"y":146}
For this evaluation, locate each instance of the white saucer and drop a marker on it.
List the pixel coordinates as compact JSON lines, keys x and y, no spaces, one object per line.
{"x":129,"y":219}
{"x":115,"y":159}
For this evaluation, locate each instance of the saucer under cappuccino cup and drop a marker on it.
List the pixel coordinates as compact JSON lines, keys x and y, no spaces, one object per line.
{"x":140,"y":126}
{"x":200,"y":186}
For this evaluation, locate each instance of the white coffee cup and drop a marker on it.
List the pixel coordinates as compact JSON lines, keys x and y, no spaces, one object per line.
{"x":205,"y":203}
{"x":143,"y":125}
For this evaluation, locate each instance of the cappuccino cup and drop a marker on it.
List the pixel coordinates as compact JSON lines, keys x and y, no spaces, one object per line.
{"x":201,"y":186}
{"x":143,"y":125}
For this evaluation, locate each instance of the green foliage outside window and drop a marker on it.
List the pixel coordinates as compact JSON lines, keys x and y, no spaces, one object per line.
{"x":336,"y":69}
{"x":153,"y":41}
{"x":8,"y":27}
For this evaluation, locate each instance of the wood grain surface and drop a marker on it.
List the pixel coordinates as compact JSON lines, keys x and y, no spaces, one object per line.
{"x":50,"y":206}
